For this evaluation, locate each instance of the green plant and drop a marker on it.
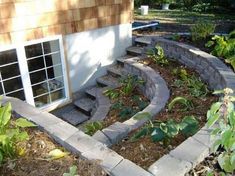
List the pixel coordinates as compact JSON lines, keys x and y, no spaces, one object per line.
{"x":112,"y":93}
{"x":129,"y":83}
{"x":201,"y":7}
{"x":124,"y":111}
{"x":92,"y":127}
{"x":224,"y":46}
{"x":165,"y":131}
{"x":181,"y":100}
{"x":196,"y":87}
{"x":73,"y":171}
{"x":201,"y":30}
{"x":11,"y":133}
{"x":223,"y":114}
{"x":157,"y":54}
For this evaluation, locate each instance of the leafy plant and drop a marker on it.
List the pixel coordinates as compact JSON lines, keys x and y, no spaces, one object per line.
{"x":140,"y":102}
{"x":201,"y":7}
{"x":223,"y":114}
{"x":201,"y":30}
{"x":124,"y":111}
{"x":92,"y":127}
{"x":112,"y":93}
{"x":196,"y":87}
{"x":165,"y":131}
{"x":73,"y":170}
{"x":11,"y":133}
{"x":224,"y":46}
{"x":129,"y":83}
{"x":157,"y":54}
{"x":181,"y":100}
{"x":175,"y":37}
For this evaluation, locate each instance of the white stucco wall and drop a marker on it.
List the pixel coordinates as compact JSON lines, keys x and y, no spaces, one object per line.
{"x":89,"y":53}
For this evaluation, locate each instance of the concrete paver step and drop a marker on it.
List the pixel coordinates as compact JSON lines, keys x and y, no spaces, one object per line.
{"x":75,"y":117}
{"x":86,"y":105}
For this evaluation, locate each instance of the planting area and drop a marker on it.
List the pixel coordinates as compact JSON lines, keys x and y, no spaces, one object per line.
{"x":39,"y":155}
{"x":190,"y":99}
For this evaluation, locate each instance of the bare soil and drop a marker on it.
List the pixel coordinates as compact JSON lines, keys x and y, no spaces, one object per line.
{"x":35,"y":161}
{"x":144,"y":152}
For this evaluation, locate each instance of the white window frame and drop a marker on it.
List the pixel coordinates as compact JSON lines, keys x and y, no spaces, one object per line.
{"x":24,"y":71}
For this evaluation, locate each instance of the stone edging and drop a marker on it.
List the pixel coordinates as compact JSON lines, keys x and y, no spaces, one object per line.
{"x":76,"y":141}
{"x":210,"y":68}
{"x":155,"y":90}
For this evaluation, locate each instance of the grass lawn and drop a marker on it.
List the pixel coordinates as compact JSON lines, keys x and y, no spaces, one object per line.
{"x":186,"y":17}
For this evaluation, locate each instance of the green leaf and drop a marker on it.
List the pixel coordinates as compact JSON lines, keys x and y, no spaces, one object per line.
{"x":191,"y":126}
{"x":143,"y":115}
{"x":212,"y":119}
{"x":141,"y":133}
{"x":216,"y":145}
{"x":232,"y":160}
{"x":224,"y":162}
{"x":24,"y":123}
{"x":5,"y":114}
{"x":216,"y":92}
{"x":209,"y":44}
{"x":180,"y":100}
{"x":22,"y":136}
{"x":158,"y":135}
{"x":1,"y":157}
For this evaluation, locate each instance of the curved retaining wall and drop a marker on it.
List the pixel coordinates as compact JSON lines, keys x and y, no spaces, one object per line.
{"x":210,"y":68}
{"x":155,"y":89}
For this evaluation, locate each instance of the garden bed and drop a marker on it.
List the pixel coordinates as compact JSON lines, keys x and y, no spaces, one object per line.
{"x":143,"y":151}
{"x":125,"y":107}
{"x":36,"y":161}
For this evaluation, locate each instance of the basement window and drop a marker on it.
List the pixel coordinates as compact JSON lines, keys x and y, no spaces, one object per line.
{"x":35,"y":72}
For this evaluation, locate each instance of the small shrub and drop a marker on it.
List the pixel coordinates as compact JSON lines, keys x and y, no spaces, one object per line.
{"x":165,"y":131}
{"x":196,"y":87}
{"x":11,"y":133}
{"x":129,"y":83}
{"x":223,"y":114}
{"x":157,"y":54}
{"x":201,"y":7}
{"x":201,"y":30}
{"x":92,"y":127}
{"x":224,"y":46}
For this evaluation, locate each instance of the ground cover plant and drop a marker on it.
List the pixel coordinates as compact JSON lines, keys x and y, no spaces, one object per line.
{"x":185,"y":113}
{"x":25,"y":150}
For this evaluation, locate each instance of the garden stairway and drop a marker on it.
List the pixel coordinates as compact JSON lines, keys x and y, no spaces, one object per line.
{"x":92,"y":105}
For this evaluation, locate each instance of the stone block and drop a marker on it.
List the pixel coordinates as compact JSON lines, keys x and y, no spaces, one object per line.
{"x":128,"y":168}
{"x":116,"y":132}
{"x":191,"y":150}
{"x":100,"y":136}
{"x":133,"y":123}
{"x":107,"y":158}
{"x":79,"y":143}
{"x":170,"y":166}
{"x":61,"y":131}
{"x":203,"y":136}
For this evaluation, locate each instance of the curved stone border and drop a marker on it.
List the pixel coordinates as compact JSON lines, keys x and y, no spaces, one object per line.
{"x":210,"y":68}
{"x":76,"y":141}
{"x":155,"y":90}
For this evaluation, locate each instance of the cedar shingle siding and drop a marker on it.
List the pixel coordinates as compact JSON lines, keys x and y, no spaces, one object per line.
{"x":23,"y":20}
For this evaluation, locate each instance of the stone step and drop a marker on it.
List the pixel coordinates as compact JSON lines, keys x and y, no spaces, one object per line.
{"x":85,"y":105}
{"x":135,"y":50}
{"x":116,"y":70}
{"x":75,"y":117}
{"x":108,"y":81}
{"x":144,"y":40}
{"x":121,"y":60}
